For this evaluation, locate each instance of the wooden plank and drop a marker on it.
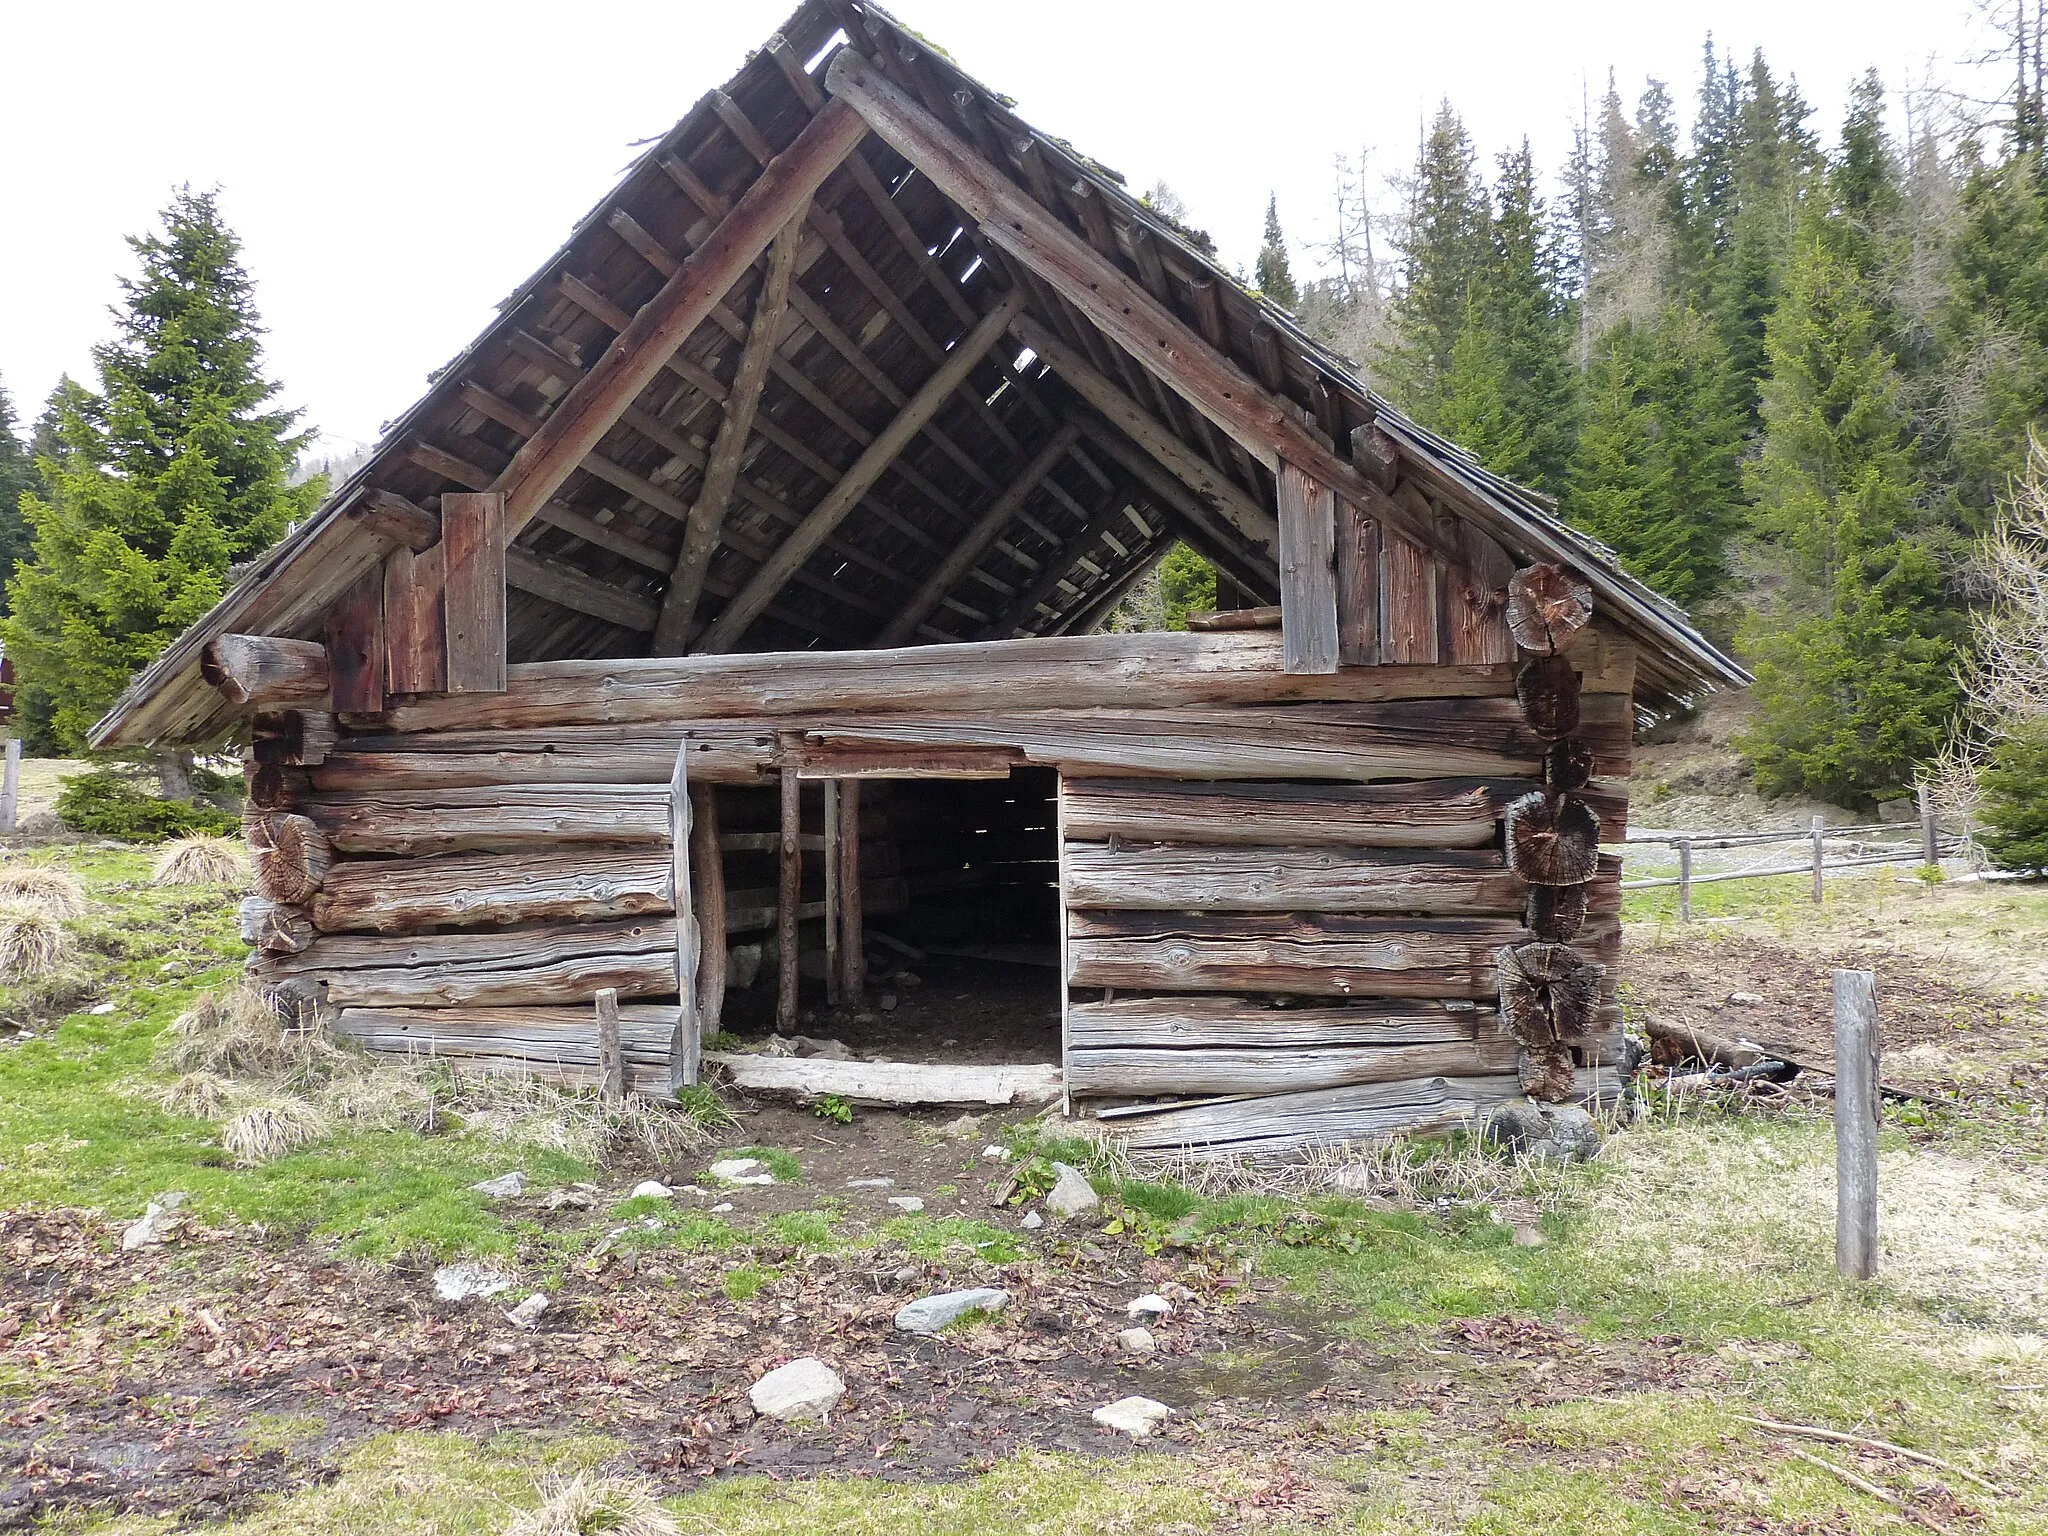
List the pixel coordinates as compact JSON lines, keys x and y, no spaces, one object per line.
{"x":853,"y":957}
{"x":1308,"y":581}
{"x":1358,"y":585}
{"x":1149,"y":1071}
{"x":722,"y":466}
{"x":789,"y":894}
{"x":1285,"y":1122}
{"x":526,"y":966}
{"x":1066,"y":990}
{"x":890,"y":762}
{"x":707,"y":867}
{"x":263,"y":671}
{"x":1305,"y":954}
{"x":473,"y":534}
{"x":415,"y":620}
{"x":355,"y":645}
{"x":688,"y":1039}
{"x":1202,"y":1022}
{"x":1254,"y":879}
{"x":1452,"y":813}
{"x":830,"y":849}
{"x":638,"y":353}
{"x":1475,"y":629}
{"x":803,"y":541}
{"x":504,"y":816}
{"x":892,"y":1082}
{"x":565,"y":586}
{"x":611,"y":1059}
{"x":1408,"y":603}
{"x":465,"y":890}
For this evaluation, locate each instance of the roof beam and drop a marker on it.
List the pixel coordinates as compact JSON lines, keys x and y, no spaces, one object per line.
{"x":976,"y":541}
{"x":722,"y":465}
{"x":638,"y":353}
{"x":1197,"y":523}
{"x":1015,"y":222}
{"x":1058,"y":567}
{"x":803,"y":541}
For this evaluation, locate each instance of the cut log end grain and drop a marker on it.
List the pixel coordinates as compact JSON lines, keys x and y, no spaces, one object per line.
{"x":291,"y":856}
{"x":1552,"y":839}
{"x":1548,"y":688}
{"x":1548,"y":993}
{"x":1557,"y":912}
{"x":1568,"y":764}
{"x":1547,"y":609}
{"x":1545,"y":1073}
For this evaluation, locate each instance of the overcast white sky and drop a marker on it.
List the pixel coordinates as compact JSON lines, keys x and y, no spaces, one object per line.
{"x":394,"y":169}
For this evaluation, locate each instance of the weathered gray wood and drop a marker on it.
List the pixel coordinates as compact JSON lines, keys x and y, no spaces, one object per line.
{"x":473,"y":534}
{"x":494,"y":816}
{"x":1267,"y":617}
{"x":788,"y":896}
{"x":1930,"y":843}
{"x":721,"y":752}
{"x":707,"y":876}
{"x":549,"y":1044}
{"x":289,"y":855}
{"x":10,"y":787}
{"x":1548,"y":608}
{"x":1177,"y":877}
{"x":1189,"y":1022}
{"x":1358,"y":585}
{"x":1856,"y":1120}
{"x":1820,"y":845}
{"x":1156,"y":1071}
{"x":274,"y":927}
{"x":1286,"y":1122}
{"x":355,"y":645}
{"x":611,"y":1058}
{"x":893,"y":1082}
{"x":259,"y":671}
{"x":1408,"y":593}
{"x":490,"y":968}
{"x":1445,"y":813}
{"x":293,"y":737}
{"x":1308,"y":578}
{"x":416,"y":620}
{"x":464,"y":890}
{"x":1317,"y":955}
{"x":688,"y":1041}
{"x":853,"y":958}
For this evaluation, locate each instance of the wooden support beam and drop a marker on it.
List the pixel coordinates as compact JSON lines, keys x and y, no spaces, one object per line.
{"x":473,"y":534}
{"x":789,"y":887}
{"x":1216,"y":540}
{"x":639,"y":352}
{"x":707,"y":884}
{"x":707,"y":515}
{"x":1018,"y":615}
{"x":853,"y":960}
{"x":611,"y":1060}
{"x":687,"y":1042}
{"x":1308,"y":575}
{"x":260,"y":671}
{"x":1210,"y":486}
{"x":976,"y":541}
{"x":567,"y":587}
{"x":1012,"y":221}
{"x":1358,"y":585}
{"x":830,"y":850}
{"x":731,"y":625}
{"x":355,"y":645}
{"x":415,"y":620}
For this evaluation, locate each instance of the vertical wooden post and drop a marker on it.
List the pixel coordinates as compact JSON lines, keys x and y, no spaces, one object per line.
{"x":611,"y":1059}
{"x":1685,"y":879}
{"x":1066,"y":989}
{"x":1856,"y":1074}
{"x":707,"y":881}
{"x":1820,"y":833}
{"x":1308,"y":577}
{"x":833,"y":980}
{"x":853,"y":955}
{"x":473,"y":591}
{"x":1930,"y":844}
{"x":10,"y":786}
{"x":686,"y":1040}
{"x":789,"y":889}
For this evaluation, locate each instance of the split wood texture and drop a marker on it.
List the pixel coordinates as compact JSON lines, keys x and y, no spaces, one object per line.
{"x":611,"y":1058}
{"x":262,"y":671}
{"x":1547,"y":608}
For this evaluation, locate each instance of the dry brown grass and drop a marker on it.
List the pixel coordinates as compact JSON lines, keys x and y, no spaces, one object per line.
{"x":591,"y":1502}
{"x":271,"y":1129}
{"x":202,"y":1095}
{"x":239,"y":1033}
{"x":519,"y":1110}
{"x":32,"y":941}
{"x":38,"y":885}
{"x":201,"y":860}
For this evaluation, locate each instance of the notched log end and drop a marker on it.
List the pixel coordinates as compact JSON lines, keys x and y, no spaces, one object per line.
{"x":1568,"y":764}
{"x":1548,"y":688}
{"x":1548,"y":994}
{"x":1552,"y":839}
{"x":1547,"y":608}
{"x":1545,"y":1073}
{"x":1557,"y":912}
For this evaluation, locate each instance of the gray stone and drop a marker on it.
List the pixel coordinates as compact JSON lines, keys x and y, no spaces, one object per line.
{"x":966,"y":1125}
{"x":1558,"y":1133}
{"x":468,"y":1279}
{"x":651,"y":1189}
{"x":928,"y":1314}
{"x":996,"y":1153}
{"x":740,"y":1170}
{"x":506,"y":1186}
{"x":1136,"y":1341}
{"x":577,"y":1197}
{"x":1133,"y":1416}
{"x":1746,"y":999}
{"x":742,"y":966}
{"x":907,"y":1203}
{"x":158,"y":1222}
{"x":1032,"y":1221}
{"x":803,"y":1389}
{"x":527,"y":1313}
{"x":870,"y":1183}
{"x":1071,"y":1194}
{"x":1148,"y":1308}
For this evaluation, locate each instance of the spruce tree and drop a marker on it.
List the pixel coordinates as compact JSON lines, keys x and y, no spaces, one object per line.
{"x":159,"y":481}
{"x":1443,"y":257}
{"x":1275,"y":278}
{"x":17,"y":478}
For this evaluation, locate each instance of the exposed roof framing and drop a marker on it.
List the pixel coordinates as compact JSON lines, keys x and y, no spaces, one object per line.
{"x":854,"y":356}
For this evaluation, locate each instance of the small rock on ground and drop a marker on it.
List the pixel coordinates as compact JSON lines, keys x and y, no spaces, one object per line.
{"x":928,"y":1314}
{"x":1000,"y":1154}
{"x":909,"y":1203}
{"x":460,"y":1282}
{"x":1135,"y":1341}
{"x":1559,"y":1133}
{"x":966,"y":1125}
{"x":651,"y":1189}
{"x":577,"y":1197}
{"x":870,"y":1183}
{"x":740,"y":1170}
{"x":527,"y":1313}
{"x":1032,"y":1221}
{"x":1148,"y":1307}
{"x":158,"y":1221}
{"x":506,"y":1186}
{"x":1133,"y":1416}
{"x":1746,"y":999}
{"x":1071,"y":1194}
{"x":803,"y":1389}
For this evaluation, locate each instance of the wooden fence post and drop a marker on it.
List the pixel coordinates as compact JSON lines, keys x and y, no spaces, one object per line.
{"x":1930,"y":843}
{"x":1685,"y":879}
{"x":1819,"y":853}
{"x":789,"y":886}
{"x":611,"y":1060}
{"x":832,"y":977}
{"x":10,"y":786}
{"x":1856,"y":1071}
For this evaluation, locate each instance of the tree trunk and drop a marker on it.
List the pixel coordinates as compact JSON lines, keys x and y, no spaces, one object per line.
{"x":174,"y":775}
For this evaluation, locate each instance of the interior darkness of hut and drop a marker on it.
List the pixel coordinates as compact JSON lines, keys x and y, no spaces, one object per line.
{"x":959,"y":891}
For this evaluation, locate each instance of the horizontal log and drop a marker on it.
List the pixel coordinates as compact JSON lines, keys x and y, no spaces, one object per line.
{"x":733,"y":754}
{"x":1309,"y":955}
{"x":893,"y":1082}
{"x":274,"y":927}
{"x":526,"y":966}
{"x":1430,"y":814}
{"x":468,"y":890}
{"x":1183,"y":878}
{"x":1073,"y":670}
{"x":1231,"y":1070}
{"x":1235,"y":618}
{"x":497,"y":816}
{"x":557,"y":1045}
{"x":1193,"y":1022}
{"x":262,"y":671}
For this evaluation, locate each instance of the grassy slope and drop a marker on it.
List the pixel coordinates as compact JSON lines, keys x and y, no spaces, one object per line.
{"x":1706,"y":1232}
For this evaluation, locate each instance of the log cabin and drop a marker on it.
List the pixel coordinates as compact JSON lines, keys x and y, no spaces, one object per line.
{"x":726,"y":621}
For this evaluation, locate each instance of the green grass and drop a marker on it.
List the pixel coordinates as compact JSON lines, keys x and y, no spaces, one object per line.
{"x":743,"y":1282}
{"x":779,"y":1161}
{"x":935,"y":1238}
{"x":810,"y":1231}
